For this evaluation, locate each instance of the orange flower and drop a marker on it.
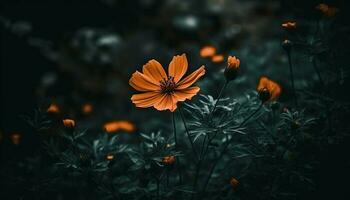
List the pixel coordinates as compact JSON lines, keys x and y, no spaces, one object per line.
{"x":69,"y":123}
{"x":327,"y":10}
{"x":86,"y":108}
{"x":123,"y":125}
{"x":233,"y":62}
{"x":217,"y":58}
{"x":234,"y":183}
{"x":110,"y":157}
{"x":53,"y":108}
{"x":268,"y":90}
{"x":207,"y":51}
{"x":231,"y":70}
{"x":163,"y":91}
{"x":15,"y":138}
{"x":168,"y":160}
{"x":289,"y":25}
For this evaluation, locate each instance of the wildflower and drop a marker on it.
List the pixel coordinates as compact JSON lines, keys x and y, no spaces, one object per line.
{"x":289,"y":25}
{"x":168,"y":160}
{"x":69,"y":123}
{"x":53,"y":108}
{"x":121,"y":125}
{"x":268,"y":90}
{"x":287,"y":45}
{"x":232,"y":68}
{"x":207,"y":51}
{"x":86,"y":108}
{"x":217,"y":58}
{"x":163,"y":91}
{"x":234,"y":183}
{"x":327,"y":10}
{"x":110,"y":157}
{"x":15,"y":138}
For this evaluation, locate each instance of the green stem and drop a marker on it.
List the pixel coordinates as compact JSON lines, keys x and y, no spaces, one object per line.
{"x":314,"y":64}
{"x":218,"y":99}
{"x":292,"y":77}
{"x":225,"y":148}
{"x":187,"y":132}
{"x":198,"y":166}
{"x":178,"y":164}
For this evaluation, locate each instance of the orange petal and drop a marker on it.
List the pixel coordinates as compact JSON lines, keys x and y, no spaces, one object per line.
{"x":188,"y":93}
{"x":167,"y":102}
{"x":178,"y":67}
{"x":154,"y":70}
{"x":142,"y":82}
{"x":147,"y":99}
{"x":192,"y":78}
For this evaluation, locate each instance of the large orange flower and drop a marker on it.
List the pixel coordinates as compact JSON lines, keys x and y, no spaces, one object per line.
{"x":163,"y":91}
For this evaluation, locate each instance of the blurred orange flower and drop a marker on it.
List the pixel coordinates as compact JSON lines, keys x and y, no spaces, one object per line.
{"x":16,"y":138}
{"x":121,"y":125}
{"x":53,"y":108}
{"x":289,"y":25}
{"x":207,"y":51}
{"x":110,"y":157}
{"x":268,"y":90}
{"x":234,"y":183}
{"x":327,"y":10}
{"x":163,"y":91}
{"x":69,"y":123}
{"x":168,"y":160}
{"x":217,"y":58}
{"x":86,"y":108}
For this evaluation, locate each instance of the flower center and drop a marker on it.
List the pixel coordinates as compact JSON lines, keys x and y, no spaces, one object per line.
{"x":167,"y":85}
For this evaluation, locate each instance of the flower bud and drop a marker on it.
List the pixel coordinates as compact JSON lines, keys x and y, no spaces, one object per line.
{"x":268,"y":90}
{"x":168,"y":160}
{"x":234,"y":183}
{"x":231,"y":70}
{"x":287,"y":45}
{"x":264,"y":95}
{"x":69,"y":123}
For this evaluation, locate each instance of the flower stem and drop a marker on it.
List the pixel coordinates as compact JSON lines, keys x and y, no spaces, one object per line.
{"x":198,"y":166}
{"x":314,"y":64}
{"x":178,"y":164}
{"x":292,"y":76}
{"x":187,"y":132}
{"x":222,"y":153}
{"x":218,"y":99}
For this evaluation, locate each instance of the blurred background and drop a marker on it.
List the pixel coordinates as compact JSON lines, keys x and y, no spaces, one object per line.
{"x":79,"y":56}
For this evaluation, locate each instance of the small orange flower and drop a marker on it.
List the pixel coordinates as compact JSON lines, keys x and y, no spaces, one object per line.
{"x":53,"y":108}
{"x":231,"y":70}
{"x":233,"y":62}
{"x":289,"y":25}
{"x":207,"y":51}
{"x":217,"y":58}
{"x":110,"y":157}
{"x":168,"y":160}
{"x":86,"y":108}
{"x":163,"y":91}
{"x":234,"y":183}
{"x":16,"y":138}
{"x":327,"y":10}
{"x":69,"y":123}
{"x":121,"y":125}
{"x":268,"y":90}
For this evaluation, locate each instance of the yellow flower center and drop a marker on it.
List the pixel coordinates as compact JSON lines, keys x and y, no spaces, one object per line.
{"x":167,"y":85}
